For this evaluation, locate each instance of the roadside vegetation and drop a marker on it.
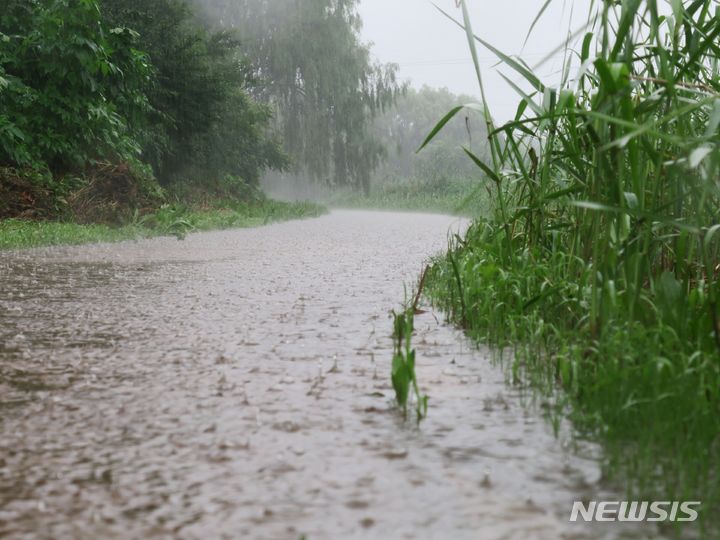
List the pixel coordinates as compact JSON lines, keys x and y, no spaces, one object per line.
{"x":404,"y":379}
{"x":596,"y":270}
{"x":439,"y":179}
{"x":115,"y":114}
{"x":454,"y":196}
{"x":169,"y":220}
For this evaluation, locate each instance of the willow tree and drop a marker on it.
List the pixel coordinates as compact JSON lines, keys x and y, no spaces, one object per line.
{"x":320,"y":79}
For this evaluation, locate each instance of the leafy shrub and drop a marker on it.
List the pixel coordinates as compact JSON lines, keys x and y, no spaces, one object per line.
{"x":71,"y":89}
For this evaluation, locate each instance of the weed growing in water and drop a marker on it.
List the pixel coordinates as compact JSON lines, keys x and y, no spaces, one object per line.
{"x":403,"y":366}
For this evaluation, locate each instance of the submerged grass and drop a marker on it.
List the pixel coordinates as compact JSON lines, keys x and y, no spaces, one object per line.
{"x":169,"y":220}
{"x":598,"y":265}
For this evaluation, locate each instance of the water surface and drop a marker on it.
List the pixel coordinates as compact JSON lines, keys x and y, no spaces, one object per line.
{"x":235,"y":385}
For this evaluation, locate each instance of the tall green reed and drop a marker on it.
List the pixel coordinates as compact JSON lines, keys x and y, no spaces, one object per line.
{"x":600,"y":263}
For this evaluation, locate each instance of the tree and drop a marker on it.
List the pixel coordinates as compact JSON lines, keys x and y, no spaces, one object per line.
{"x":318,"y":77}
{"x":71,"y":88}
{"x":404,"y":126}
{"x":206,"y":123}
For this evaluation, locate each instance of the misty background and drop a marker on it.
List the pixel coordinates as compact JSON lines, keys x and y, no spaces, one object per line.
{"x":432,"y":53}
{"x":431,"y":50}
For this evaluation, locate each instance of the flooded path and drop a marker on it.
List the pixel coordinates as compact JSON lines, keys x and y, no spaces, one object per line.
{"x":235,"y":385}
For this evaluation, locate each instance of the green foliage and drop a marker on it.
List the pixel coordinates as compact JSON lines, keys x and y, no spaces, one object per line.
{"x":22,"y":234}
{"x":206,"y":125}
{"x":404,"y":126}
{"x":77,"y":94}
{"x":600,"y":261}
{"x":319,"y":79}
{"x":170,"y":220}
{"x":439,"y":178}
{"x":453,"y":196}
{"x":403,"y":375}
{"x":70,"y":87}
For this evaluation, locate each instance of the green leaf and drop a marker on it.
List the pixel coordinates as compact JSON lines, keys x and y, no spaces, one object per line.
{"x":709,"y":235}
{"x":713,"y":120}
{"x":587,"y":41}
{"x":535,"y":21}
{"x":629,"y":13}
{"x":534,"y":106}
{"x":677,"y":9}
{"x":651,"y":216}
{"x":445,"y":119}
{"x":400,"y":380}
{"x":438,"y":127}
{"x":487,"y":170}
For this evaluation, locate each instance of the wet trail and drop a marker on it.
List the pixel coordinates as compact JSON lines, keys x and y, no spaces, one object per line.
{"x":235,"y":385}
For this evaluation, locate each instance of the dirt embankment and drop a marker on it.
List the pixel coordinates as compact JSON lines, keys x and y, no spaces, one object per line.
{"x":102,"y":193}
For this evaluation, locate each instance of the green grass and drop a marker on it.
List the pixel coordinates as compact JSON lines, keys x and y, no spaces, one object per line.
{"x":229,"y":215}
{"x":17,"y":234}
{"x":455,"y":197}
{"x":169,"y":220}
{"x":598,"y":264}
{"x":404,"y":379}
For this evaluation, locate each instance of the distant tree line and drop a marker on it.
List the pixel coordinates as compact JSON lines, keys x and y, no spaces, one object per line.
{"x":402,"y":128}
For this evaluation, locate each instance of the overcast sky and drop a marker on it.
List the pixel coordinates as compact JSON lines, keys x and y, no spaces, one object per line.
{"x":432,"y":50}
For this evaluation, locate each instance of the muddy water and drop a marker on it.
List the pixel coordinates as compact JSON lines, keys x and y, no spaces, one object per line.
{"x":235,"y":385}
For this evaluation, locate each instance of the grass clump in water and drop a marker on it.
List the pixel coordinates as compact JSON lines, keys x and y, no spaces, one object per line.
{"x":403,"y":375}
{"x":599,"y":263}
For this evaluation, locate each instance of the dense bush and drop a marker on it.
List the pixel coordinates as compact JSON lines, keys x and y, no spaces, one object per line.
{"x":71,"y":89}
{"x":89,"y":86}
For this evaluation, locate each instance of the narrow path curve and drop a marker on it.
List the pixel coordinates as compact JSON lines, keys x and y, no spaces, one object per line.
{"x":235,"y":385}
